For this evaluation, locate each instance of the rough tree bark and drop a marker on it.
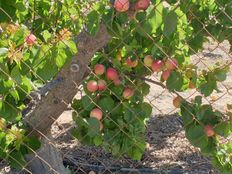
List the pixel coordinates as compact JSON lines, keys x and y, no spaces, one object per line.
{"x":52,"y":105}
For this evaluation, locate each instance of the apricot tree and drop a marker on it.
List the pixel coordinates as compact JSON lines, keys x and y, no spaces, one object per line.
{"x":48,"y":47}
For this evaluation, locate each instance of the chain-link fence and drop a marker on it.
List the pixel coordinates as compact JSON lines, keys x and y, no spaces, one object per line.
{"x":58,"y":106}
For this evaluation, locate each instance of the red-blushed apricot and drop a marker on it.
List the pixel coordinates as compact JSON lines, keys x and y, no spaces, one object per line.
{"x":111,"y":74}
{"x":157,"y":65}
{"x":96,"y":113}
{"x":101,"y":85}
{"x":92,"y":86}
{"x":208,"y":129}
{"x":99,"y":69}
{"x":165,"y":75}
{"x":148,"y":60}
{"x":128,"y":93}
{"x":131,"y":63}
{"x":121,"y":5}
{"x":30,"y":39}
{"x":142,"y":4}
{"x":171,"y":64}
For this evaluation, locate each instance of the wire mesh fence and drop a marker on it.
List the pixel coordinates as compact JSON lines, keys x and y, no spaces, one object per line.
{"x":98,"y":118}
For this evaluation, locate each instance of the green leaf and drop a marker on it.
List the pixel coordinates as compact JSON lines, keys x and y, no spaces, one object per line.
{"x":154,"y":18}
{"x":46,"y":35}
{"x":77,"y":104}
{"x":106,"y":104}
{"x":220,"y":75}
{"x":47,"y":70}
{"x":146,"y":110}
{"x":170,"y":23}
{"x":208,"y":87}
{"x":18,"y":37}
{"x":205,"y":112}
{"x":187,"y":113}
{"x":145,"y":89}
{"x":79,"y":120}
{"x":224,"y":129}
{"x":175,"y":81}
{"x":98,"y":140}
{"x":17,"y":160}
{"x":87,"y":103}
{"x":137,"y":154}
{"x":93,"y":23}
{"x":197,"y":136}
{"x":9,"y":7}
{"x":61,"y":58}
{"x":16,"y":75}
{"x":33,"y":143}
{"x":117,"y":90}
{"x":9,"y":113}
{"x":15,"y":95}
{"x":3,"y":51}
{"x":93,"y":127}
{"x":129,"y":113}
{"x":1,"y":104}
{"x":71,"y":46}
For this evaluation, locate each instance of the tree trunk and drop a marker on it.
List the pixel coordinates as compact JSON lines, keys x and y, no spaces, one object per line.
{"x":59,"y":94}
{"x":46,"y":160}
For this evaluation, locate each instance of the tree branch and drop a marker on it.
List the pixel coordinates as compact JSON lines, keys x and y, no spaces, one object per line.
{"x":52,"y":105}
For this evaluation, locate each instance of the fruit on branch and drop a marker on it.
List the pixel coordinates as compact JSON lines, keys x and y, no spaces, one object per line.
{"x":128,"y":93}
{"x":157,"y":65}
{"x":30,"y":39}
{"x":101,"y":85}
{"x":142,"y":4}
{"x":165,"y":74}
{"x":99,"y":69}
{"x":191,"y":85}
{"x":92,"y":86}
{"x":208,"y":129}
{"x":117,"y":82}
{"x":121,"y":5}
{"x":132,"y":63}
{"x":148,"y":60}
{"x":177,"y":101}
{"x":111,"y":74}
{"x":96,"y":113}
{"x":171,"y":64}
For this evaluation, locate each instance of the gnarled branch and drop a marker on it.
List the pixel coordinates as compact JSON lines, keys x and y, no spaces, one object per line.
{"x":51,"y":106}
